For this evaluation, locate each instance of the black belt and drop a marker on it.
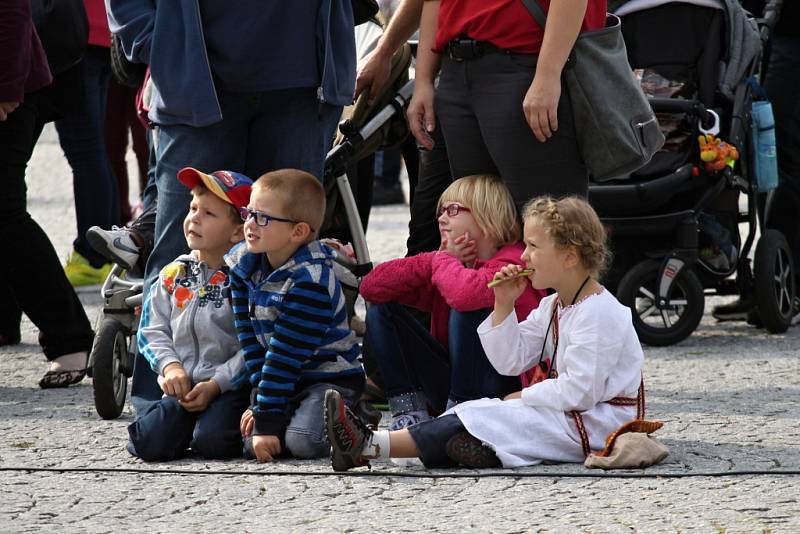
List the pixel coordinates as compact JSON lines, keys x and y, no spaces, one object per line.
{"x":461,"y":49}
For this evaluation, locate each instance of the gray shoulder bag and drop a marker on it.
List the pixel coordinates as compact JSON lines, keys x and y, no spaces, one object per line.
{"x":615,"y":125}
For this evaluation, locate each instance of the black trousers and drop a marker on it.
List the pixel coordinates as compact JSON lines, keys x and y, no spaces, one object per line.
{"x":431,"y":438}
{"x":479,"y":105}
{"x":31,"y":277}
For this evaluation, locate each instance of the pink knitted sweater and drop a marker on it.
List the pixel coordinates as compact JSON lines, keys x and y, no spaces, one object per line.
{"x":435,"y":282}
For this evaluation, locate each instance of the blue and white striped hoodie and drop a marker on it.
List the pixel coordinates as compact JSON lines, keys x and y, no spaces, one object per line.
{"x":293,"y":328}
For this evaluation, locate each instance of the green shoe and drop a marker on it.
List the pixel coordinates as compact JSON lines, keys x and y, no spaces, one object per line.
{"x":80,"y":273}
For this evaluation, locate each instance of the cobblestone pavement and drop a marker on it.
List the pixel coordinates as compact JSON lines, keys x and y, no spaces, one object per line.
{"x":728,"y":395}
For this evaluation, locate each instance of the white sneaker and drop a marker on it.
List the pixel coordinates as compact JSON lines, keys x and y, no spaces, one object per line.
{"x":116,"y":244}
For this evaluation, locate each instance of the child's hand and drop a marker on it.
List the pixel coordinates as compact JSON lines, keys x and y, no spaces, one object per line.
{"x":463,"y":248}
{"x":266,"y":448}
{"x":511,"y":288}
{"x":198,"y":399}
{"x":246,"y":423}
{"x":176,"y":382}
{"x":511,"y":396}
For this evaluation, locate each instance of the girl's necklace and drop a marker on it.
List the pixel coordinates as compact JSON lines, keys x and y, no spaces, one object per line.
{"x":552,"y":366}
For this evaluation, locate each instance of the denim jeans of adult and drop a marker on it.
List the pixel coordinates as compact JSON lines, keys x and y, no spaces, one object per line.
{"x":411,"y":359}
{"x":166,"y":430}
{"x":31,"y":277}
{"x":82,"y":138}
{"x":260,"y":132}
{"x":479,"y":105}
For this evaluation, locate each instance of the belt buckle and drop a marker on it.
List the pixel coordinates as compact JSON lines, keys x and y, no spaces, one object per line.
{"x":461,"y":49}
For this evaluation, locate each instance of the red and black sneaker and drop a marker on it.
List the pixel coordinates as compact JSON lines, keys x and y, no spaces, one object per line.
{"x":347,"y":433}
{"x":469,"y":451}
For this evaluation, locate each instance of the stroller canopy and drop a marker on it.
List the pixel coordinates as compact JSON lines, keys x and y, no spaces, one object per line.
{"x":743,"y":38}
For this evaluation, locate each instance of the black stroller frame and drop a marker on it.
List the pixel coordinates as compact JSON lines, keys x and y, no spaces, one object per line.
{"x":665,"y":285}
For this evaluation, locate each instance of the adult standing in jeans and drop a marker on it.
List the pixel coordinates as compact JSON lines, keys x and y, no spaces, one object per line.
{"x":499,"y":99}
{"x":250,"y":86}
{"x":31,"y":277}
{"x":82,"y":137}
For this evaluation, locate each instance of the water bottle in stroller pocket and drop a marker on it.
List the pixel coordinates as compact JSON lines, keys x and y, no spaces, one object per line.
{"x":766,"y":154}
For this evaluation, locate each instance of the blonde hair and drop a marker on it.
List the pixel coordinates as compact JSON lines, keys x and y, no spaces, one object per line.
{"x":490,"y":203}
{"x":233,"y":214}
{"x":300,"y":195}
{"x":571,"y":221}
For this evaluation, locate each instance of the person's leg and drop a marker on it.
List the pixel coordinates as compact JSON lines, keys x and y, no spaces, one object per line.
{"x":305,"y":434}
{"x":139,"y":135}
{"x":116,"y":138}
{"x":466,"y":148}
{"x":527,"y":166}
{"x":162,"y":433}
{"x":290,"y":130}
{"x":473,"y":376}
{"x":782,"y":85}
{"x":434,"y":178}
{"x":414,"y":366}
{"x":30,"y":270}
{"x":81,"y":137}
{"x":216,"y":433}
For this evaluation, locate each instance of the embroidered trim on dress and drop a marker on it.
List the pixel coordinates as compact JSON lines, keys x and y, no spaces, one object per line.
{"x":562,"y":308}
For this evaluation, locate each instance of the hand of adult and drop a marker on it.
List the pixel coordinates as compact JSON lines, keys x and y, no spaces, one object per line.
{"x":541,"y":105}
{"x":6,"y":108}
{"x":421,"y":119}
{"x":373,"y":73}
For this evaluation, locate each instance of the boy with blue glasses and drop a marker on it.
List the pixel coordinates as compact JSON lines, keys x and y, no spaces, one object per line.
{"x":291,"y":319}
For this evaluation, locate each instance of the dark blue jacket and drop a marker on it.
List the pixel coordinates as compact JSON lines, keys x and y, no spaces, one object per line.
{"x":168,"y":36}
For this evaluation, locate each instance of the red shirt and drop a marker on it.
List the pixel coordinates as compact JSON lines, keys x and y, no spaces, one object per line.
{"x":98,"y":23}
{"x":505,"y":23}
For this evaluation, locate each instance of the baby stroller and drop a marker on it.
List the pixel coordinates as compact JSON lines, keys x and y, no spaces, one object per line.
{"x":673,"y":225}
{"x":368,"y":128}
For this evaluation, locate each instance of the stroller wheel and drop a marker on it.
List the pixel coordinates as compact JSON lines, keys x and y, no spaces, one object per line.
{"x":109,"y":356}
{"x":775,"y":281}
{"x":675,"y":322}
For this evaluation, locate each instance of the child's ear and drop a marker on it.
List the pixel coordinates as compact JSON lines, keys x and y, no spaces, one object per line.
{"x":301,"y":232}
{"x":572,"y":257}
{"x":238,"y":234}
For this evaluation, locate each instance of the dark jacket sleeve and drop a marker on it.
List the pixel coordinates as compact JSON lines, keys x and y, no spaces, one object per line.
{"x":23,"y":64}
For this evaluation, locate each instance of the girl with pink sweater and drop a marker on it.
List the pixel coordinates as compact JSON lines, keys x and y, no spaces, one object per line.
{"x":428,"y":372}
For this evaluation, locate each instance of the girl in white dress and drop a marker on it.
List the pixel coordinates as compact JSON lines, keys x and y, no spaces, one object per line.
{"x":578,"y":348}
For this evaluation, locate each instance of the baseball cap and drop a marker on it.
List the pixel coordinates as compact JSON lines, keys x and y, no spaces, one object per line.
{"x":232,"y":187}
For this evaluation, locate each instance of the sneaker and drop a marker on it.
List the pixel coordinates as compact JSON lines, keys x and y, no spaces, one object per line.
{"x":80,"y":272}
{"x":116,"y":245}
{"x":346,"y":433}
{"x":405,"y":420}
{"x":469,"y":451}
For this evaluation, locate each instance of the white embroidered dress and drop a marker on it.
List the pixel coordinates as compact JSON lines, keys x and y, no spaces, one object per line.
{"x":599,"y":358}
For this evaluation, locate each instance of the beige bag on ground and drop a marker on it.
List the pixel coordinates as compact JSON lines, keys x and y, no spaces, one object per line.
{"x":630,"y":447}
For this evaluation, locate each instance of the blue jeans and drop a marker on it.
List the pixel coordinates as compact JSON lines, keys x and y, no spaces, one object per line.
{"x":260,"y":132}
{"x":83,"y":140}
{"x":411,"y":359}
{"x":166,"y":430}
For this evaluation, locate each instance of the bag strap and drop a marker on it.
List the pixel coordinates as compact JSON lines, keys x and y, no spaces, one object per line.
{"x":536,"y":10}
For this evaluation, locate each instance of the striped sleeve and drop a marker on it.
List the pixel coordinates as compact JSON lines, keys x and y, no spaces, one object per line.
{"x":251,"y":348}
{"x":299,"y":330}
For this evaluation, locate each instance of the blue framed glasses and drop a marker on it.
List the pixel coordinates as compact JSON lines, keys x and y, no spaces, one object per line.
{"x":261,"y":218}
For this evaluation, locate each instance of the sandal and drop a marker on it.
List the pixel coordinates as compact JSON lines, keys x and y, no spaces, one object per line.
{"x":61,"y":379}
